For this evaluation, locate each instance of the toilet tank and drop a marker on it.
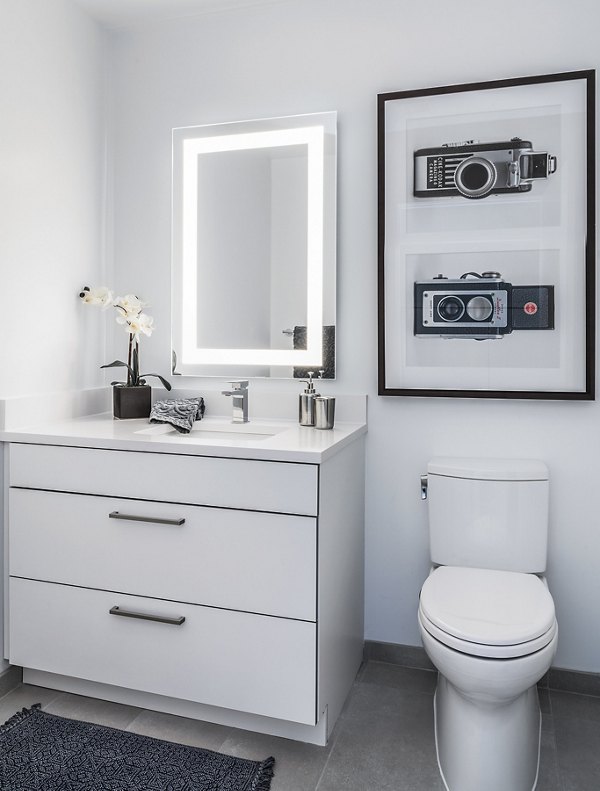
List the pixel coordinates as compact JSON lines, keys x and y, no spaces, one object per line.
{"x":488,"y":513}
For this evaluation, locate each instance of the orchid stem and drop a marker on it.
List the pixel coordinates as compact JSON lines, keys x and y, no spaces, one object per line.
{"x":129,"y":360}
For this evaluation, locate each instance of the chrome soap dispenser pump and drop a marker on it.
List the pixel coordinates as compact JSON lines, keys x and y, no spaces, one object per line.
{"x":306,"y":406}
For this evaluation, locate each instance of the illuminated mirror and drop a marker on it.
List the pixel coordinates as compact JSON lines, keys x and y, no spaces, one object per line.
{"x":254,"y":247}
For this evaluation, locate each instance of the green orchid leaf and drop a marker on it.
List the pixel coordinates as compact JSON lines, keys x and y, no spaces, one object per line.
{"x":166,"y":385}
{"x":115,"y":364}
{"x":121,"y":364}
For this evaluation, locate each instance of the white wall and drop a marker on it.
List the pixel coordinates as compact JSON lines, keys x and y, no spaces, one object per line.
{"x":52,"y":154}
{"x":318,"y":55}
{"x":52,"y":140}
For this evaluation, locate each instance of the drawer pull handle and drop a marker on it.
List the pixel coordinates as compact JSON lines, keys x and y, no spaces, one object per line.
{"x":155,"y":520}
{"x":144,"y":617}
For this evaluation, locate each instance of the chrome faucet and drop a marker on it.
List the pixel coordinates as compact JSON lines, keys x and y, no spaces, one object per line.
{"x":239,"y":395}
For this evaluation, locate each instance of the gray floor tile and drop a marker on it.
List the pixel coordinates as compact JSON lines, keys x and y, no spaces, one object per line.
{"x":10,"y":679}
{"x":100,"y":712}
{"x":298,"y":766}
{"x":407,"y":678}
{"x":544,"y":698}
{"x":179,"y":729}
{"x":546,"y":709}
{"x":548,"y":776}
{"x":25,"y":696}
{"x":577,"y":746}
{"x":385,"y":743}
{"x":361,"y":671}
{"x":569,"y":704}
{"x":547,"y":723}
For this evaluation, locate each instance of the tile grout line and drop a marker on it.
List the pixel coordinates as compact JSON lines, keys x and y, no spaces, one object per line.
{"x":326,"y":764}
{"x":562,"y":786}
{"x":340,"y":724}
{"x":552,"y":734}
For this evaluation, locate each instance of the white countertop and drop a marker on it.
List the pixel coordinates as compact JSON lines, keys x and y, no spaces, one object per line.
{"x":267,"y":440}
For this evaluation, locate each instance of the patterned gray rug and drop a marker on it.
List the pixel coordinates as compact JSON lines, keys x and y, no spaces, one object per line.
{"x":43,"y":752}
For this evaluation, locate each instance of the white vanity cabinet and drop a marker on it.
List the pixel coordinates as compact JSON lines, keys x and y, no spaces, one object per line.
{"x":227,"y":589}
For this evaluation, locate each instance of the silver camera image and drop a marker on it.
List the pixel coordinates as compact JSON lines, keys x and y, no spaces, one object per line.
{"x":480,"y":307}
{"x":476,"y":170}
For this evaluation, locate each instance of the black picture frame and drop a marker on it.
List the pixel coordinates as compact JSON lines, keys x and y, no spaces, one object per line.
{"x":402,"y":229}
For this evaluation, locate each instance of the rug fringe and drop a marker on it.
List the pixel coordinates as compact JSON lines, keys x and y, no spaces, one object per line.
{"x":262,"y":781}
{"x":19,"y":717}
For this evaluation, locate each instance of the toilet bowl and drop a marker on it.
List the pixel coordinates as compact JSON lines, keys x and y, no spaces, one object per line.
{"x":488,"y":626}
{"x":492,"y":635}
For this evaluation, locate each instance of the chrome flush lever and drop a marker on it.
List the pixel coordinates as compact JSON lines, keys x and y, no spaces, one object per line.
{"x":424,"y":487}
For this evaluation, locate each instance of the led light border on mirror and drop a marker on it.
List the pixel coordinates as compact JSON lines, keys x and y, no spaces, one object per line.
{"x":313,"y":138}
{"x":317,"y":133}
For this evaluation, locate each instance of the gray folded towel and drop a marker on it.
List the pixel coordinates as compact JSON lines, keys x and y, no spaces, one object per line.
{"x":178,"y":412}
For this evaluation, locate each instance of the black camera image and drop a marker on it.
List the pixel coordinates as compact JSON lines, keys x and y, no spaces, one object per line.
{"x":476,"y":170}
{"x":480,"y":307}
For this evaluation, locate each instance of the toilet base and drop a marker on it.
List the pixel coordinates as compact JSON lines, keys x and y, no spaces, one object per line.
{"x":482,"y":746}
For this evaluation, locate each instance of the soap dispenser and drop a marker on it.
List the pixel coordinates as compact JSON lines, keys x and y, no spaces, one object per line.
{"x":306,"y":410}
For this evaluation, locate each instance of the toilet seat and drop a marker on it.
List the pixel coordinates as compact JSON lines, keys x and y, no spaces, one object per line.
{"x":488,"y":651}
{"x":487,"y":613}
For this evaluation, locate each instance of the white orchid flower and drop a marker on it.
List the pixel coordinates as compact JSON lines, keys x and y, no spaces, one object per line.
{"x":146,"y":324}
{"x":99,"y":295}
{"x":130,"y":305}
{"x":143,"y":323}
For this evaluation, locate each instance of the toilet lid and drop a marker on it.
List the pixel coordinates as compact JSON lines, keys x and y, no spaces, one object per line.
{"x":485,"y":606}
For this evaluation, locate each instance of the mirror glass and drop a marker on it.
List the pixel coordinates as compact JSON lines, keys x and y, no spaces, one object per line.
{"x":254,"y":248}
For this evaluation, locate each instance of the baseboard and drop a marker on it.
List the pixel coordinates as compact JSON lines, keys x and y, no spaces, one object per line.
{"x":573,"y":681}
{"x":9,"y":679}
{"x":557,"y":678}
{"x":397,"y":654}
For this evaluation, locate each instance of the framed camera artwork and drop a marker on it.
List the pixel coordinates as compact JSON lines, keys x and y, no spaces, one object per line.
{"x":486,"y":200}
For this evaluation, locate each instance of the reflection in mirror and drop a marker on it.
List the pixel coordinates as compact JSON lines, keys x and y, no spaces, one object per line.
{"x":254,"y":247}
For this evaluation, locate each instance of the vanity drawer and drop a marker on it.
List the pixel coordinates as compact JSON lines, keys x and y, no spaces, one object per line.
{"x":243,"y":560}
{"x":241,"y":661}
{"x":283,"y":487}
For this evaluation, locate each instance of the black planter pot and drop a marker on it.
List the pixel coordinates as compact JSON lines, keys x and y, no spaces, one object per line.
{"x":132,"y":402}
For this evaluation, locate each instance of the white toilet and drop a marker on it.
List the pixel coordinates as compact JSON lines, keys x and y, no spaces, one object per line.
{"x":487,"y":619}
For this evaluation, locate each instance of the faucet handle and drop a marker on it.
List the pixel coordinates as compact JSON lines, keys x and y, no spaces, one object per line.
{"x":239,"y":384}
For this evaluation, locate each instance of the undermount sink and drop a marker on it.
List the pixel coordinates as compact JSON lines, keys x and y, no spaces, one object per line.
{"x":224,"y":431}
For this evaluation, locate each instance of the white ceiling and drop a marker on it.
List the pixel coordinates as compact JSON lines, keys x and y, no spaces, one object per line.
{"x":128,"y":13}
